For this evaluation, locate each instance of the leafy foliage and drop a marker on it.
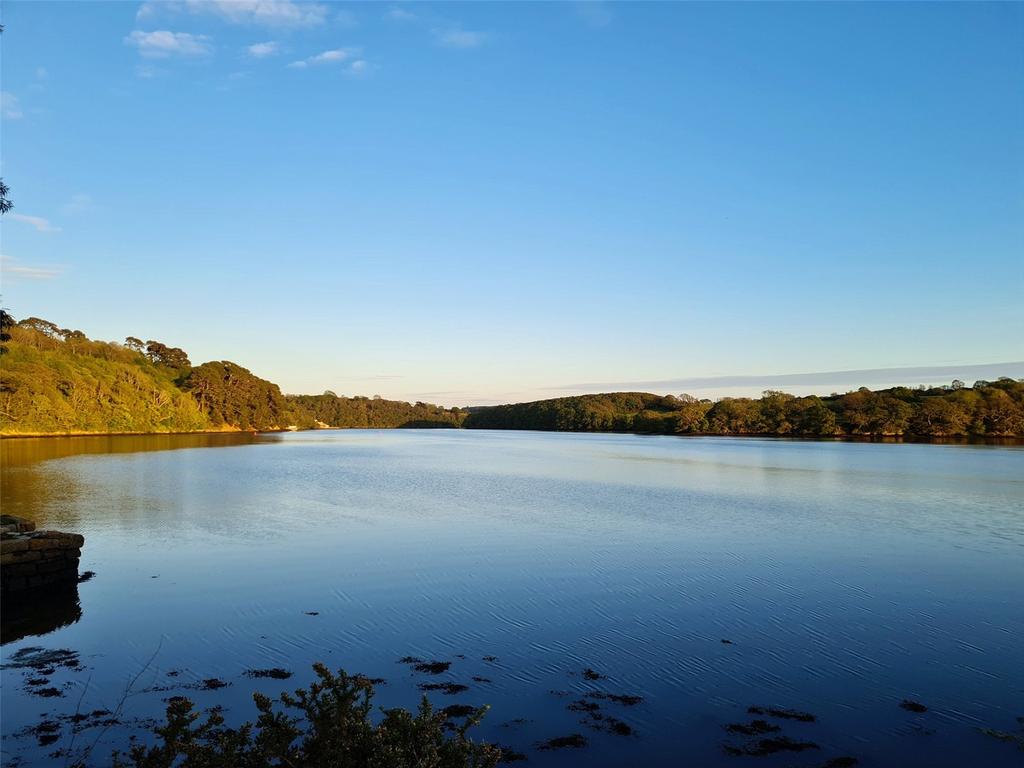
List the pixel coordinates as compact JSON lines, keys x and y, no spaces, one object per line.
{"x":331,"y":728}
{"x":334,"y":411}
{"x":991,"y":409}
{"x":232,"y":396}
{"x":56,"y":379}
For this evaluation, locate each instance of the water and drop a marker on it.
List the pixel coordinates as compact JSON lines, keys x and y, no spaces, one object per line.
{"x":846,"y":576}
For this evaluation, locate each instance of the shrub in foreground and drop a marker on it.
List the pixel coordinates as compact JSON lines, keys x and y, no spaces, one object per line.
{"x":330,"y":728}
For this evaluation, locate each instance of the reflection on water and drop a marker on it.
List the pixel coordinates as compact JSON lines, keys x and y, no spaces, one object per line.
{"x":39,"y":613}
{"x":702,"y":576}
{"x":30,"y":490}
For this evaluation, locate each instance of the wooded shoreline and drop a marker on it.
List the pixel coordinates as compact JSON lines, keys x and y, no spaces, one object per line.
{"x":58,"y":382}
{"x":913,"y":439}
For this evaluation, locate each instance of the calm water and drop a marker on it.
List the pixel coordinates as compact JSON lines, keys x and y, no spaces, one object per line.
{"x":846,"y":576}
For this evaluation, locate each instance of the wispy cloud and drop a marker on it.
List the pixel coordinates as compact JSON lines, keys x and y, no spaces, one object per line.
{"x":400,"y":14}
{"x":41,"y":224}
{"x":10,"y":108}
{"x":594,"y":12}
{"x":457,"y":37}
{"x":264,"y":50}
{"x":347,"y":57}
{"x":267,"y":13}
{"x":446,"y":33}
{"x":163,"y":44}
{"x":41,"y":73}
{"x":910,"y":376}
{"x":13,"y":270}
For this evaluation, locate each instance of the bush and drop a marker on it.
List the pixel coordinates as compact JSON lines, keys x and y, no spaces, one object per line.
{"x":333,"y":729}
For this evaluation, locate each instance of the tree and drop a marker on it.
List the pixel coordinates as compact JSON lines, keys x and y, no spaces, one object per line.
{"x":44,"y":327}
{"x":5,"y":201}
{"x":134,"y":344}
{"x":170,"y":357}
{"x":939,"y":417}
{"x":6,"y":323}
{"x":692,"y":416}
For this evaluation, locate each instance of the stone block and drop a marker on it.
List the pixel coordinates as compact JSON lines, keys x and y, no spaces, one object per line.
{"x":26,"y":556}
{"x":36,"y":558}
{"x":13,"y":545}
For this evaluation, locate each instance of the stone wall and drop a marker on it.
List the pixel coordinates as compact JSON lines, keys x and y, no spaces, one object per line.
{"x":31,"y":558}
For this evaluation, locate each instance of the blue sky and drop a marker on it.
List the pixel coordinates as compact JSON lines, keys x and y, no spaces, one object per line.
{"x":471,"y":203}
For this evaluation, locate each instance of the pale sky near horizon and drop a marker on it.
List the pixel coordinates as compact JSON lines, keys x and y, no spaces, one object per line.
{"x":472,"y":203}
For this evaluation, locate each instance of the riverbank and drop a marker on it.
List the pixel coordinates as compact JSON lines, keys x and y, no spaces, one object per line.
{"x":880,"y":438}
{"x":222,"y":431}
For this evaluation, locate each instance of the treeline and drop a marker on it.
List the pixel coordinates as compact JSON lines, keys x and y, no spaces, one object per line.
{"x":55,"y":380}
{"x":988,"y":409}
{"x":330,"y":410}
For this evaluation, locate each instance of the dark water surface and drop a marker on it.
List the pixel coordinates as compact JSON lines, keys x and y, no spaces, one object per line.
{"x":846,"y":577}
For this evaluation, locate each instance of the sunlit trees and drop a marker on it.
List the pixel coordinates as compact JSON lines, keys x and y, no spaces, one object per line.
{"x":378,"y":413}
{"x":232,"y":396}
{"x":988,"y":409}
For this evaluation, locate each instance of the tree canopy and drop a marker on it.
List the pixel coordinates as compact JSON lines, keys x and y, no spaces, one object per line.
{"x":55,"y":379}
{"x":988,"y":409}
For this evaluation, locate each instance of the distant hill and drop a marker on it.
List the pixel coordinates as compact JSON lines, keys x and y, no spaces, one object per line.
{"x":990,"y":409}
{"x":57,"y":380}
{"x":330,"y":410}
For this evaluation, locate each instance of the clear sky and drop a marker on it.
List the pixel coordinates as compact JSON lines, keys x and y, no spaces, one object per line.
{"x":469,"y":203}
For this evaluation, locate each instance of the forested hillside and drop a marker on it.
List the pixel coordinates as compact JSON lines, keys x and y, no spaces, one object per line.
{"x":989,"y":409}
{"x":331,"y":410}
{"x":56,"y":379}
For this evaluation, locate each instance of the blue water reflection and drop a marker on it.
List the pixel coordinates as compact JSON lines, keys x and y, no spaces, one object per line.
{"x":845,"y":576}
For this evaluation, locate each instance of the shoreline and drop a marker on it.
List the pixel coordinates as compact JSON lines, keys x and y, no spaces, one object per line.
{"x":231,"y":431}
{"x":938,"y":440}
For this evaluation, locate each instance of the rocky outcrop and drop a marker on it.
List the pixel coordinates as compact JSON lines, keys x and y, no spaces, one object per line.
{"x":31,"y":558}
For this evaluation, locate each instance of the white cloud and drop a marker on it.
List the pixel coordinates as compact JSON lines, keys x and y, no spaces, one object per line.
{"x":41,"y":73}
{"x":400,"y":14}
{"x":338,"y":54}
{"x":347,"y":56}
{"x":456,"y":37}
{"x":163,"y":44}
{"x":10,"y":107}
{"x":41,"y":224}
{"x":263,"y":50}
{"x":77,"y":205}
{"x":268,"y":13}
{"x":12,"y":270}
